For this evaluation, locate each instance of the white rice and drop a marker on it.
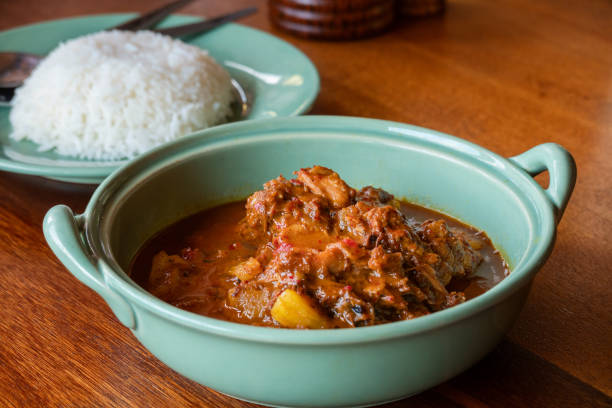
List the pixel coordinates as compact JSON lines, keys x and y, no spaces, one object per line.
{"x":117,"y":94}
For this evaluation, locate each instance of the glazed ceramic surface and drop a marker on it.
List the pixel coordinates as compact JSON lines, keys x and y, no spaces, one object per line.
{"x":334,"y":368}
{"x":277,"y":80}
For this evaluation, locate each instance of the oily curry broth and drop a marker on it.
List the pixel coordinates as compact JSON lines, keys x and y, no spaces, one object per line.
{"x":215,"y":232}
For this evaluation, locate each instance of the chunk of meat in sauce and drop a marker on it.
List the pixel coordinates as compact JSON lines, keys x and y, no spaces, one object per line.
{"x":351,"y":254}
{"x":326,"y":183}
{"x":457,"y":258}
{"x":285,"y":210}
{"x":169,"y":272}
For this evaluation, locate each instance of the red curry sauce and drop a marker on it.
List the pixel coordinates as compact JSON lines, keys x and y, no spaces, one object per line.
{"x":352,"y":258}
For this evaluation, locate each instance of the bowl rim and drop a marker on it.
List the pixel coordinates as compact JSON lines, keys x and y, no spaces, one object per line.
{"x":110,"y":194}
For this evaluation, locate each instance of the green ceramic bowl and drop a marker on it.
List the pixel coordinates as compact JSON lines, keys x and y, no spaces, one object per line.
{"x":334,"y":368}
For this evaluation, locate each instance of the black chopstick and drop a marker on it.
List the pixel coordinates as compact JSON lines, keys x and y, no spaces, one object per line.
{"x":206,"y":25}
{"x":151,"y":18}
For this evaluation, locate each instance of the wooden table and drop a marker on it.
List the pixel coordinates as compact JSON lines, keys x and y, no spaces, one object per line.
{"x":507,"y":75}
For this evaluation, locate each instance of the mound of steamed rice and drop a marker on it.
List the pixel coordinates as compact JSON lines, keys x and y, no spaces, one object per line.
{"x":117,"y":94}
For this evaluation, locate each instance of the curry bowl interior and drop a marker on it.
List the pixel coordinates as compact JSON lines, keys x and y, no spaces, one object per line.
{"x":229,"y":163}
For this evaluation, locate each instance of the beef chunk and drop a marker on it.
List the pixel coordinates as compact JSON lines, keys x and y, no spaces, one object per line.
{"x":375,"y":197}
{"x":333,"y":261}
{"x":389,"y":286}
{"x":456,"y":256}
{"x":289,"y":266}
{"x":371,"y":226}
{"x":168,"y":272}
{"x":327,"y":183}
{"x":342,"y":302}
{"x":425,"y":277}
{"x":284,"y":208}
{"x":351,"y":221}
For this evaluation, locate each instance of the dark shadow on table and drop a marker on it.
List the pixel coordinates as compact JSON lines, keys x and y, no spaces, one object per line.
{"x":514,"y":377}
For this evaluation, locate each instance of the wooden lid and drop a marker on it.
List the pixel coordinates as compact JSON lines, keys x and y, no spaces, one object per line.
{"x":332,"y":19}
{"x":330,"y":5}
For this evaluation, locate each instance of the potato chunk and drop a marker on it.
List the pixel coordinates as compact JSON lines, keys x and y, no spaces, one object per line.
{"x":295,"y":311}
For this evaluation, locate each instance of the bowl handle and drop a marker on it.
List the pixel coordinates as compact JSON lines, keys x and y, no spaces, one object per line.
{"x":63,"y":232}
{"x":561,"y":168}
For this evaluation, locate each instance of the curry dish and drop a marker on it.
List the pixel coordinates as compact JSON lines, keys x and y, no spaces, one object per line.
{"x":312,"y":252}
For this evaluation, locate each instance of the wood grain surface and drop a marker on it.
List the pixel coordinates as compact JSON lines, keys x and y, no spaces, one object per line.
{"x":506,"y":74}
